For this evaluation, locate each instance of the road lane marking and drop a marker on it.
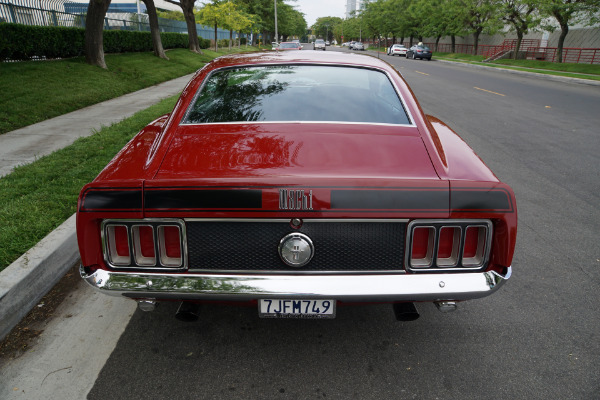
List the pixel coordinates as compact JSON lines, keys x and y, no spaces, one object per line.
{"x":489,"y":91}
{"x":419,"y":72}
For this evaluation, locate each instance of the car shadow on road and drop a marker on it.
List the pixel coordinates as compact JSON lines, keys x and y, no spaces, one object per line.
{"x":230,"y":352}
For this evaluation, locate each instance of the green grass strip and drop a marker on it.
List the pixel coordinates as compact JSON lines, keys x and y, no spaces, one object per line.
{"x":36,"y":198}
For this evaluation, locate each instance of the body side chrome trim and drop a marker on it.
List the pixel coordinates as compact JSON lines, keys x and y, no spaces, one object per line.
{"x":390,"y":287}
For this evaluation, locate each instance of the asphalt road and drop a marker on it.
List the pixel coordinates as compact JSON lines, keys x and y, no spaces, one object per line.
{"x":537,"y":338}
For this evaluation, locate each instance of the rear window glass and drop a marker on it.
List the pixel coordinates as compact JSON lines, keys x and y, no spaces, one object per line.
{"x":297,"y":93}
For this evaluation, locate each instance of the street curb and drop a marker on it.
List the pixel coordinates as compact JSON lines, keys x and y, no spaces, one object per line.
{"x":24,"y":282}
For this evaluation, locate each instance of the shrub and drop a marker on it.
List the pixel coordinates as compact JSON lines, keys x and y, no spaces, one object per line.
{"x":24,"y":42}
{"x":205,"y":43}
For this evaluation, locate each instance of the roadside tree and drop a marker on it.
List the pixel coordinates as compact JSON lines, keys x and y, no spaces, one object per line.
{"x":569,"y":12}
{"x":522,"y":15}
{"x":481,"y":16}
{"x":327,"y":27}
{"x":213,"y":15}
{"x":290,"y":22}
{"x":187,"y":6}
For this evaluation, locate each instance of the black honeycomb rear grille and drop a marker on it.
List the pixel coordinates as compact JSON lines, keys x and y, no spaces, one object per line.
{"x":252,"y":246}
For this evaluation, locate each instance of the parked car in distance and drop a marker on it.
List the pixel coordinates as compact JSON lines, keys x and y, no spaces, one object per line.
{"x":419,"y":51}
{"x":249,"y":192}
{"x":319,"y":44}
{"x":274,"y":45}
{"x":397,"y":49}
{"x":289,"y":46}
{"x":327,"y":43}
{"x":358,"y":46}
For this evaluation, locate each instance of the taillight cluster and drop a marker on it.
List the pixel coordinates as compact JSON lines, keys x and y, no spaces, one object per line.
{"x":146,"y":243}
{"x":438,"y":244}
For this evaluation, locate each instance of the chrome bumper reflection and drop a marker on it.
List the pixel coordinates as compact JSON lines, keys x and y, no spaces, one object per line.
{"x":388,"y":287}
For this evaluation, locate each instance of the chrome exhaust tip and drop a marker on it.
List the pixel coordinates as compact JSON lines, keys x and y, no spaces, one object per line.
{"x":446,"y":306}
{"x":405,"y":311}
{"x":188,"y":311}
{"x":147,"y":305}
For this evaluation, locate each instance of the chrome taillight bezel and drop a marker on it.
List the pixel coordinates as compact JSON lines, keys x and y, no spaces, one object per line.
{"x":456,"y":261}
{"x":160,"y":261}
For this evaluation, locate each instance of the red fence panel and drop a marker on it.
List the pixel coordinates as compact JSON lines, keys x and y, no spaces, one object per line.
{"x":570,"y":55}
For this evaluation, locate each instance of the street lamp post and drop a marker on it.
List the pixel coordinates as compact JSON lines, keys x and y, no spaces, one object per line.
{"x":276,"y":34}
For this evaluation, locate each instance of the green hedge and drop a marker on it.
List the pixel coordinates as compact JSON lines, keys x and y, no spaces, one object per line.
{"x":23,"y":42}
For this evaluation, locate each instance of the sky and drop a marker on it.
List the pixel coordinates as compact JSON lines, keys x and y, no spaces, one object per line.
{"x":314,"y":9}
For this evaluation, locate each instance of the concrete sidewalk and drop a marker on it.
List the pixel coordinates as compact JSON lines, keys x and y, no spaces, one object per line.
{"x":27,"y":280}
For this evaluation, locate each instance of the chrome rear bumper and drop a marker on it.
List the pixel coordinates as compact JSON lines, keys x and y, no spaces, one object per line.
{"x":350,"y":287}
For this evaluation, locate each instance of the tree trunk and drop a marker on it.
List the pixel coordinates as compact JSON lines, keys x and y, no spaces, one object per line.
{"x":437,"y":42}
{"x":187,"y":6}
{"x":188,"y":12}
{"x":230,"y":39}
{"x":518,"y":46}
{"x":476,"y":37}
{"x":453,"y":41}
{"x":216,"y":40}
{"x":94,"y":25}
{"x":561,"y":41}
{"x":154,"y":30}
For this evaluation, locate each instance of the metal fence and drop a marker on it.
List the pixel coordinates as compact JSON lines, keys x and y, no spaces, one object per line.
{"x":569,"y":55}
{"x":70,"y":14}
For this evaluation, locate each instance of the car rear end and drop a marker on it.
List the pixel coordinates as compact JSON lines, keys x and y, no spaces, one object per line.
{"x":297,"y":217}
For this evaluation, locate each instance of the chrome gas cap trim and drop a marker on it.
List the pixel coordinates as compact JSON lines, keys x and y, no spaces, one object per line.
{"x":296,"y":249}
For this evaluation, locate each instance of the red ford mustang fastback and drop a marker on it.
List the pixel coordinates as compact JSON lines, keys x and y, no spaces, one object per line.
{"x":297,"y":181}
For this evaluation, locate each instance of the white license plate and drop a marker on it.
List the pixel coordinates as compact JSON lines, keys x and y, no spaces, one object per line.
{"x":285,"y":308}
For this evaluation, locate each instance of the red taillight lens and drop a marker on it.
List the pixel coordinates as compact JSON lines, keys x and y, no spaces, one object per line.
{"x":172,"y":241}
{"x":474,"y":248}
{"x":170,"y":246}
{"x":121,"y":239}
{"x":445,"y":244}
{"x":143,"y":245}
{"x":147,"y":241}
{"x":448,"y":246}
{"x":117,"y":243}
{"x":471,"y":240}
{"x":422,"y":246}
